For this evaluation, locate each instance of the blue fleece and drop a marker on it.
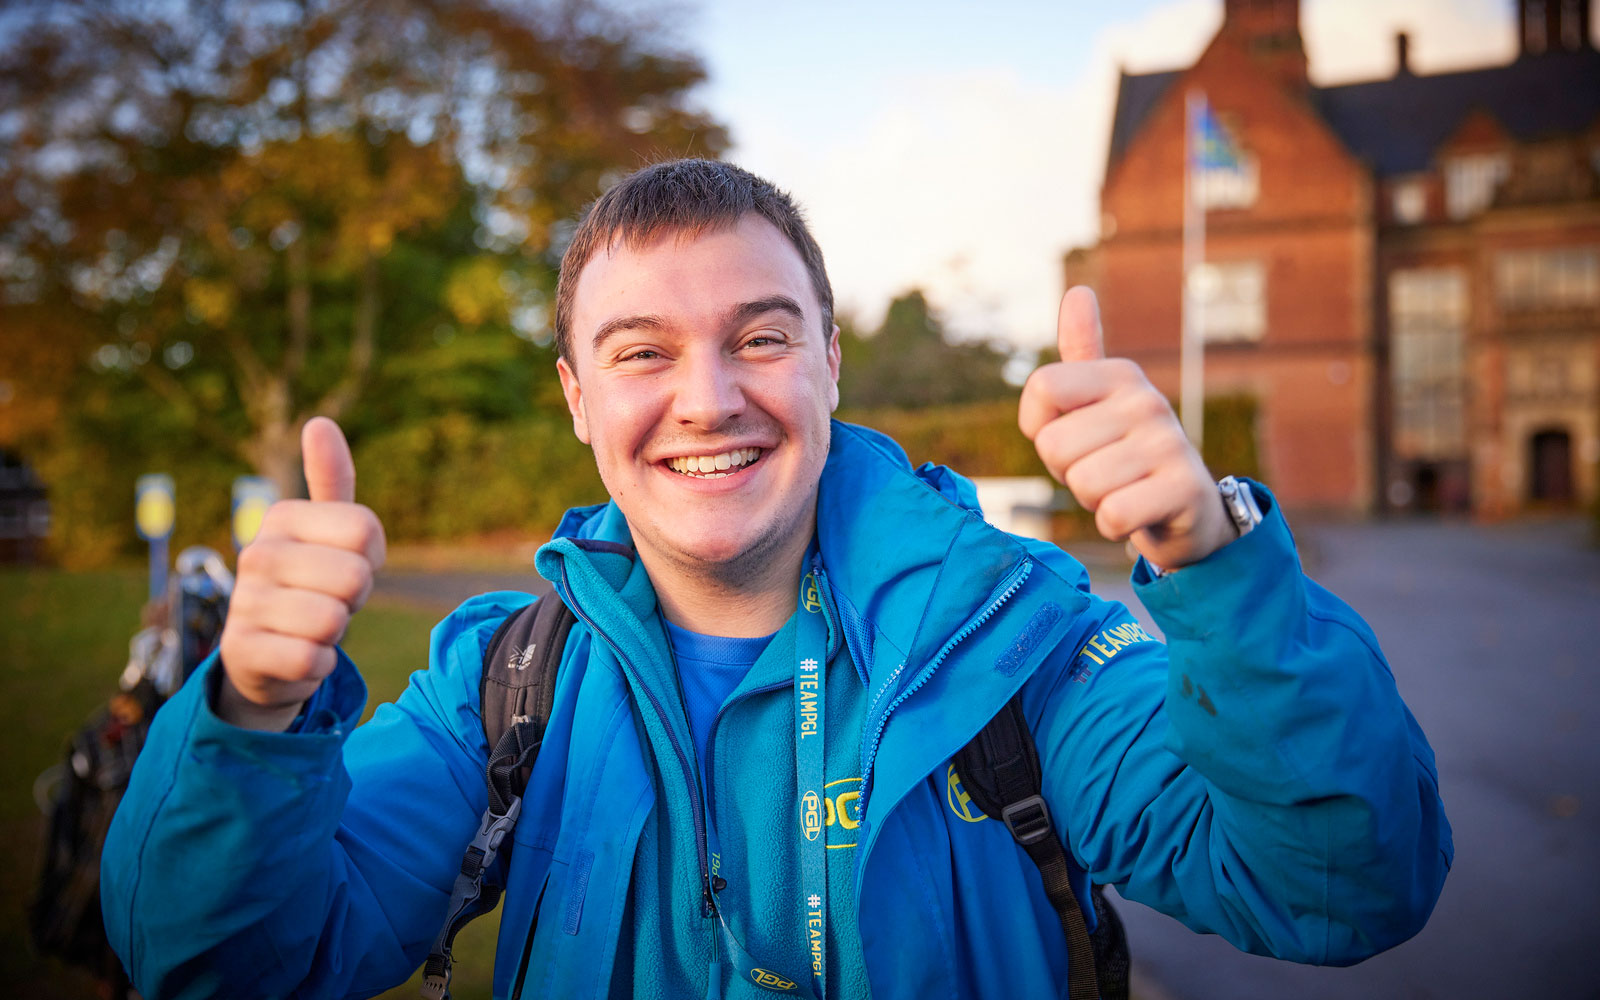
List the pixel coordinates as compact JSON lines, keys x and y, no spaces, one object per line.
{"x":748,"y":770}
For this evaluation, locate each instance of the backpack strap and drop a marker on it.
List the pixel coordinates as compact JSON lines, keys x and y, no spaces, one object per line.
{"x":1000,"y":769}
{"x":515,"y":696}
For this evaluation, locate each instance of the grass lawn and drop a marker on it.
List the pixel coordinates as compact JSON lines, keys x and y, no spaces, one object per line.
{"x":66,"y":638}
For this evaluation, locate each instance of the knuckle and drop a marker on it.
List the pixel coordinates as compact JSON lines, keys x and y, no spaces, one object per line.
{"x":1151,"y":404}
{"x":1122,"y":371}
{"x":1165,"y":443}
{"x":301,"y":660}
{"x":358,"y":579}
{"x":244,"y":604}
{"x":255,"y":558}
{"x":278,"y":516}
{"x":332,"y":621}
{"x":1047,"y":442}
{"x":1111,"y":518}
{"x":1080,"y":481}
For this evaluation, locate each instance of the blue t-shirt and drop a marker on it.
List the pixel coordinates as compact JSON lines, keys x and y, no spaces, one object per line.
{"x":709,"y":668}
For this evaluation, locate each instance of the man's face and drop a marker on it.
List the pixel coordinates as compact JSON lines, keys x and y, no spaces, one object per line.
{"x":703,"y":381}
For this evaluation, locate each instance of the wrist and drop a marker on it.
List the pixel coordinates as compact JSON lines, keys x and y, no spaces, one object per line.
{"x":233,"y":707}
{"x":1234,"y":515}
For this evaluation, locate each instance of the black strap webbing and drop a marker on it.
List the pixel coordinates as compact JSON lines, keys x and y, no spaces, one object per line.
{"x":515,"y":697}
{"x":999,"y":768}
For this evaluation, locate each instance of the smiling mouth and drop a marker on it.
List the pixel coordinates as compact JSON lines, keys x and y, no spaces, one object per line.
{"x":718,"y":466}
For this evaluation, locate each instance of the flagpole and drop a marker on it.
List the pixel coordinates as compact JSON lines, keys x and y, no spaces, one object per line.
{"x":1191,"y":399}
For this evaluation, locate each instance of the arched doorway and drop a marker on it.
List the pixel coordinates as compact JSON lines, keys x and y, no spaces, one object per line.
{"x":1550,"y":467}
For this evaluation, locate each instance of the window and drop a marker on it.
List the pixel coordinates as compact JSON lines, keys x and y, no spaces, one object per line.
{"x":1533,"y":38}
{"x":1410,"y":201}
{"x":1229,"y":186}
{"x":1231,"y":298}
{"x":1470,"y":183}
{"x":1559,"y":278}
{"x":1572,"y":25}
{"x":1427,"y":362}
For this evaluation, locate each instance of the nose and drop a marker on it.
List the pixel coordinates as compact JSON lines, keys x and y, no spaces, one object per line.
{"x":708,"y":393}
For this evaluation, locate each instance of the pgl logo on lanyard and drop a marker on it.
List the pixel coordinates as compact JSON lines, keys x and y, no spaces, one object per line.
{"x":811,"y":815}
{"x":810,"y":597}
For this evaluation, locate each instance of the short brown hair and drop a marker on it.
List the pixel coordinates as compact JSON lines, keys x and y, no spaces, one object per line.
{"x":690,"y":197}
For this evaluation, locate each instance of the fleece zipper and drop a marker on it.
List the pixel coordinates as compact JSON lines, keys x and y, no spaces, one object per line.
{"x":708,"y":906}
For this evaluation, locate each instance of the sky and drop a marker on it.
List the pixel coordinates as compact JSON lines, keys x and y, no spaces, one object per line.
{"x":959,"y":146}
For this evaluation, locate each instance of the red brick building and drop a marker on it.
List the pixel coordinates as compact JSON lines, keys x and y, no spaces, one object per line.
{"x":1404,"y":274}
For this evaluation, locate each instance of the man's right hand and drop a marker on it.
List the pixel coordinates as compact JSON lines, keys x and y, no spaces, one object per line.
{"x":309,"y":569}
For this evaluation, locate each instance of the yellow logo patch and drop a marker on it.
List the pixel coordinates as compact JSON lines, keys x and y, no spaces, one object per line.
{"x":842,"y":801}
{"x":960,"y":802}
{"x":770,"y":980}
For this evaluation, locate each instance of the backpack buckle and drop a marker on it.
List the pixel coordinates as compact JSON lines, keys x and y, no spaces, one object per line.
{"x":1028,"y":820}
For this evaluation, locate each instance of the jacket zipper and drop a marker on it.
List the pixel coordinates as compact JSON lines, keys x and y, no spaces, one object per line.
{"x":707,"y":901}
{"x":1011,"y":586}
{"x":527,"y":945}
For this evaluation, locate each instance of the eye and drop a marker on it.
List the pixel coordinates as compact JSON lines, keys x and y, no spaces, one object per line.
{"x":762,"y":340}
{"x":644,"y":355}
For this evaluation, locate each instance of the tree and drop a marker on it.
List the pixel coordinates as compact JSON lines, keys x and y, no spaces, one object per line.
{"x":208,"y":203}
{"x":910,"y":364}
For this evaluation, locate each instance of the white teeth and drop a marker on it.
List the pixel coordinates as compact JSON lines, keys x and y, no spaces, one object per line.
{"x":714,"y":466}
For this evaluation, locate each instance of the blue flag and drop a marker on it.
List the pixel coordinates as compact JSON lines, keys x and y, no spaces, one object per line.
{"x":1211,"y":147}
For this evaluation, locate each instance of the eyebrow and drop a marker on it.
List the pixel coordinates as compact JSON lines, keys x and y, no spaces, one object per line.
{"x":738,"y":315}
{"x":744,"y":312}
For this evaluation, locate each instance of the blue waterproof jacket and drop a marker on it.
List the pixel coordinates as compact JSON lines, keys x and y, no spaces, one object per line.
{"x":1258,"y":777}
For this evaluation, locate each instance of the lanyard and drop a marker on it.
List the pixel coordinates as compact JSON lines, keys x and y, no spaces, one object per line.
{"x":810,"y":678}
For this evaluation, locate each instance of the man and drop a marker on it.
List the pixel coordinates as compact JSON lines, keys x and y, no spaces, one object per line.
{"x":770,"y":597}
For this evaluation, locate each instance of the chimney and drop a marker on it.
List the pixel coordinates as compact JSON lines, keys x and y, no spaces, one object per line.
{"x":1270,"y":31}
{"x":1552,"y":26}
{"x":1402,"y":52}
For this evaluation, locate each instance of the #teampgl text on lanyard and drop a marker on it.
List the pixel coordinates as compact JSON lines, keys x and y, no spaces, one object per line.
{"x":810,"y":680}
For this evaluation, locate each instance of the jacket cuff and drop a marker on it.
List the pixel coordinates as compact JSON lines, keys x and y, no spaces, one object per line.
{"x":330,"y":714}
{"x":1184,"y":601}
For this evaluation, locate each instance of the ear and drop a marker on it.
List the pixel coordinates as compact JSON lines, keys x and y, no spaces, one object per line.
{"x":574,"y":393}
{"x":834,"y":356}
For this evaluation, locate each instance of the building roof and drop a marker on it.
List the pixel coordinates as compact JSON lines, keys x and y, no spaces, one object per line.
{"x":1137,"y":94}
{"x":1397,"y":124}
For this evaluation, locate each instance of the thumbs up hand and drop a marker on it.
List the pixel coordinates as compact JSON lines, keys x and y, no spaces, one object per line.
{"x":1105,"y":433}
{"x":309,"y":569}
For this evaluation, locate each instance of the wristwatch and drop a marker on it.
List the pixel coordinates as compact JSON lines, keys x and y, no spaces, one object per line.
{"x":1240,"y":503}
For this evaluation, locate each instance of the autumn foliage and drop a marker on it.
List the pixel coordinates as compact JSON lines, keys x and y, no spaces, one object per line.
{"x":219,"y":219}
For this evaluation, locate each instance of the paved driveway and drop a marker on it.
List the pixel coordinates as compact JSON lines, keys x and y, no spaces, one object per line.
{"x":1494,"y":637}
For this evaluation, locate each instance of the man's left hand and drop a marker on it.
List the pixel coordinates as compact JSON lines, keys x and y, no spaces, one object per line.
{"x":1106,"y":434}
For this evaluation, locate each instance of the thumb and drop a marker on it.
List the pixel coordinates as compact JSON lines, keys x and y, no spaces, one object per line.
{"x":330,"y":472}
{"x":1078,"y":335}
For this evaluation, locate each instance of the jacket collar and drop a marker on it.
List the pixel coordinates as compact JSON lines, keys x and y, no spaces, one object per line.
{"x":906,"y":548}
